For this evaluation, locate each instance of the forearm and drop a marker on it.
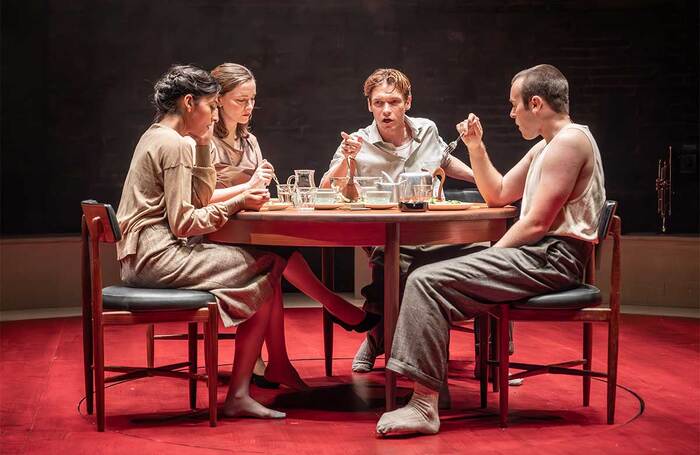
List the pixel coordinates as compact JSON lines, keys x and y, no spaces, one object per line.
{"x":457,"y":169}
{"x":487,"y":178}
{"x":339,"y":169}
{"x":223,"y":194}
{"x":235,"y":203}
{"x":202,"y":155}
{"x":524,"y":232}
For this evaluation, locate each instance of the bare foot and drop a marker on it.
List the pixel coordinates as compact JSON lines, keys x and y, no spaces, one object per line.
{"x":285,"y":375}
{"x":247,"y":407}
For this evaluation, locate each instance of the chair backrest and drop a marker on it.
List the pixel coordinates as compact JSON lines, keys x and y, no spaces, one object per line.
{"x":99,"y":225}
{"x":606,"y":216}
{"x":609,"y":224}
{"x":604,"y":223}
{"x":101,"y":221}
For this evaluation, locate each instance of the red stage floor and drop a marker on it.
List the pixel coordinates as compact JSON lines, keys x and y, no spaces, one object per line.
{"x":41,"y":387}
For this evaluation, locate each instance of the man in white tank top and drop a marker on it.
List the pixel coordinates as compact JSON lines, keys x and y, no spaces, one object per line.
{"x":560,"y":181}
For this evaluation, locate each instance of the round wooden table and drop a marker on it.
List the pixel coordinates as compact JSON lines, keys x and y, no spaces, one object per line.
{"x":389,"y":228}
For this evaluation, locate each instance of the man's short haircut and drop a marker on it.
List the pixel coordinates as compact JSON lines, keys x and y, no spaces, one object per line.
{"x":392,"y":77}
{"x":548,"y":83}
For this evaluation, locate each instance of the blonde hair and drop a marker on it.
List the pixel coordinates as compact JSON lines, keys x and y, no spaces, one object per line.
{"x":230,"y":76}
{"x":392,"y":77}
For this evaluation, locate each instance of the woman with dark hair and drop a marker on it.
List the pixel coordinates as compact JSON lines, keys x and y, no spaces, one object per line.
{"x":165,"y":209}
{"x":239,"y":166}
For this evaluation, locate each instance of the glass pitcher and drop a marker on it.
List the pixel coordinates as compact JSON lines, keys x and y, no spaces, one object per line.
{"x":301,"y":183}
{"x":302,"y":178}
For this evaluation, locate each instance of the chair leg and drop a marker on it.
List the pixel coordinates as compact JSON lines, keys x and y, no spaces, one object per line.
{"x":503,"y":361}
{"x":150,"y":345}
{"x":483,"y":357}
{"x":192,"y":359}
{"x":613,"y":335}
{"x":511,"y":339}
{"x":99,"y":366}
{"x":87,"y":362}
{"x":493,"y":352}
{"x":328,"y":342}
{"x":588,"y":360}
{"x":213,"y":359}
{"x":327,"y":277}
{"x":477,"y":363}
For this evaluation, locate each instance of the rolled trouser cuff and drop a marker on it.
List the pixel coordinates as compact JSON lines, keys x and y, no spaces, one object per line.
{"x":415,"y":374}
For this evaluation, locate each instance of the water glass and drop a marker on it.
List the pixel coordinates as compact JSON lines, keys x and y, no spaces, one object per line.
{"x":284,"y":193}
{"x":367,"y":183}
{"x":422,"y":193}
{"x":305,"y":198}
{"x":347,"y":194}
{"x":392,"y":187}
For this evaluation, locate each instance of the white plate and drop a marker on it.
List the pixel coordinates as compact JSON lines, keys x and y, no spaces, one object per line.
{"x":388,"y":205}
{"x":449,"y":206}
{"x":328,"y":206}
{"x":272,"y":206}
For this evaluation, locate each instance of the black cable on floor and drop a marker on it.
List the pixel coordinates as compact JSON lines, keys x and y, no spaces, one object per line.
{"x":640,"y":400}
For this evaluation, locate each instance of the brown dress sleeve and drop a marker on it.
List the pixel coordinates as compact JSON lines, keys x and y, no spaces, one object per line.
{"x":186,"y":186}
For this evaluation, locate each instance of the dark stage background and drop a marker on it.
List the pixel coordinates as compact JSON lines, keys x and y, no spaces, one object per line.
{"x":77,"y":76}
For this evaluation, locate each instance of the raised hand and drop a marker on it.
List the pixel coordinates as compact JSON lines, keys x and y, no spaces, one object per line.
{"x":204,"y":139}
{"x":471,"y":131}
{"x":262,"y":176}
{"x":351,"y":145}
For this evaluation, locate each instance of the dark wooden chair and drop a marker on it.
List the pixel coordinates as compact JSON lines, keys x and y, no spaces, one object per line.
{"x":121,"y":305}
{"x":152,"y":337}
{"x":580,"y":304}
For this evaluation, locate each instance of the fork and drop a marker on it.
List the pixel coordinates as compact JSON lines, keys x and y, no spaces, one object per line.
{"x":452,"y":146}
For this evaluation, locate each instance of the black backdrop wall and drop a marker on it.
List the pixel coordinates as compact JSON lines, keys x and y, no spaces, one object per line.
{"x":76,"y":80}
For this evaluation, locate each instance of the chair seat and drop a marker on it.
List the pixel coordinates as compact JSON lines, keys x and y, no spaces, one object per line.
{"x":584,"y":296}
{"x":124,"y":298}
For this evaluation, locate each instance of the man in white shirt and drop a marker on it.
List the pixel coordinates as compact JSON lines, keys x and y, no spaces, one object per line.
{"x":393,"y":143}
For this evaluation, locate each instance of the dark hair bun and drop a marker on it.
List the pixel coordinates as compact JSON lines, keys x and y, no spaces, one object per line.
{"x":177,"y":82}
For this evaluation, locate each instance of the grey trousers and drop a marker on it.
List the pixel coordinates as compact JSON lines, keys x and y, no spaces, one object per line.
{"x":410,"y":258}
{"x":459,"y":288}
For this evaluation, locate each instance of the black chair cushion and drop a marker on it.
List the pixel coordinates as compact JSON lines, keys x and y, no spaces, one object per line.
{"x":577,"y":298}
{"x":123,"y":298}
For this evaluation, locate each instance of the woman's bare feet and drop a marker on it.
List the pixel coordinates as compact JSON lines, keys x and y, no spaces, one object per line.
{"x":285,"y":374}
{"x":247,"y":407}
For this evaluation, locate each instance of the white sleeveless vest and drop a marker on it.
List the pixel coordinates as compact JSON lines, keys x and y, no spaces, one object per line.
{"x":578,"y":218}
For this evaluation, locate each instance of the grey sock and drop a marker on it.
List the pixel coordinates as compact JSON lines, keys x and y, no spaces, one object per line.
{"x":371,"y":347}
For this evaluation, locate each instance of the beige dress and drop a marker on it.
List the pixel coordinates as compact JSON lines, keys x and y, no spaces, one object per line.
{"x":235,"y":166}
{"x":163,"y":214}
